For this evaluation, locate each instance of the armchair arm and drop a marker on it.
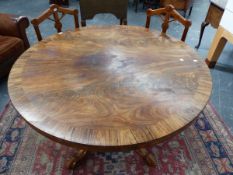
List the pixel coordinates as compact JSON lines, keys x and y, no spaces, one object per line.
{"x":12,"y":25}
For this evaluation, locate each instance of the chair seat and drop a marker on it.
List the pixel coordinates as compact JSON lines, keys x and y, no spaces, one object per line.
{"x":10,"y":47}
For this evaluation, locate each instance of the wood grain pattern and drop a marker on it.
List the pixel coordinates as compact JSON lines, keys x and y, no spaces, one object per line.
{"x":107,"y":88}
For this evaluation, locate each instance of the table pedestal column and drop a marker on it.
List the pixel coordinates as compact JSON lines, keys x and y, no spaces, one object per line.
{"x":148,"y":157}
{"x":75,"y":160}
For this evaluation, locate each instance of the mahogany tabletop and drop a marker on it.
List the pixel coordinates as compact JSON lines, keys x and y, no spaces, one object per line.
{"x":109,"y":87}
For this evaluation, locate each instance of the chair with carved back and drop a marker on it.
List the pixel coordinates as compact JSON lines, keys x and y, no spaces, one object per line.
{"x":181,"y":5}
{"x":54,"y":10}
{"x":166,"y":13}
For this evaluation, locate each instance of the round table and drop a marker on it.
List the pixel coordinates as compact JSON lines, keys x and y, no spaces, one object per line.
{"x":109,"y":87}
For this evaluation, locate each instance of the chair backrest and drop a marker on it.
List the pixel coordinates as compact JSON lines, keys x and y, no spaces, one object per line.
{"x":54,"y":11}
{"x":167,"y":12}
{"x":89,"y":8}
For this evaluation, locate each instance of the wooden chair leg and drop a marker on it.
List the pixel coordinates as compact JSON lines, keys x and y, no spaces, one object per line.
{"x":216,"y":47}
{"x":83,"y":23}
{"x":136,"y":5}
{"x":203,"y":26}
{"x":123,"y":21}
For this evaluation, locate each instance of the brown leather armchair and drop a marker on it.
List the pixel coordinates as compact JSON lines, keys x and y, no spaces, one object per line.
{"x":13,"y":40}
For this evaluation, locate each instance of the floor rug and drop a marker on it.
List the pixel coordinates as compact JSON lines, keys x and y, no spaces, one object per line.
{"x":205,"y":148}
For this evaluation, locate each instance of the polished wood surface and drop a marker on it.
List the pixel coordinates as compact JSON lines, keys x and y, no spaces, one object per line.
{"x":105,"y":88}
{"x":54,"y":10}
{"x":166,"y":13}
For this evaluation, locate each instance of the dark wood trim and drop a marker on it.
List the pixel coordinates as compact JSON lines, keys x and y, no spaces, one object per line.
{"x":210,"y":64}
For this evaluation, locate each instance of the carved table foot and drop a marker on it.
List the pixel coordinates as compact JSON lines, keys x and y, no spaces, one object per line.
{"x":149,"y":158}
{"x":75,"y":160}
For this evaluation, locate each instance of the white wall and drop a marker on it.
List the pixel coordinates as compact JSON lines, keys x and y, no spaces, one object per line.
{"x":227,"y":18}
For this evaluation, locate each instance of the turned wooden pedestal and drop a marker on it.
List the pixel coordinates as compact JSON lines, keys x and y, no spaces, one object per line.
{"x":80,"y":154}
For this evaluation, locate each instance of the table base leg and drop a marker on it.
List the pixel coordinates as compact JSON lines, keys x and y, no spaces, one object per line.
{"x":74,"y":161}
{"x":148,"y":157}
